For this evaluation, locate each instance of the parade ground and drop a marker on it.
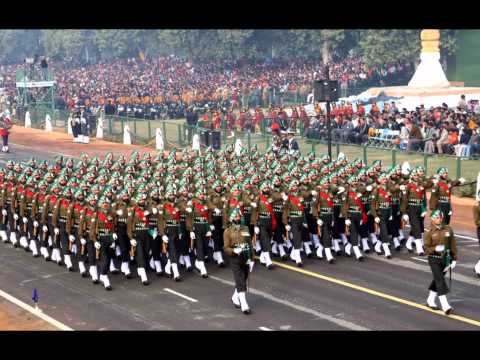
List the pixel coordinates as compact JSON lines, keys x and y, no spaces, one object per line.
{"x":377,"y":294}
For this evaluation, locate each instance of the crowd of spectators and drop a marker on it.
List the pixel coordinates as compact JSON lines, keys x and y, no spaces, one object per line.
{"x":164,"y":87}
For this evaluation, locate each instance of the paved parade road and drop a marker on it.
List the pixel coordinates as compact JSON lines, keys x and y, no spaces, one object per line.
{"x":378,"y":294}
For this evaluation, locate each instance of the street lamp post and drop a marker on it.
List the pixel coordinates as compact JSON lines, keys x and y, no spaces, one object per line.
{"x":329,"y":125}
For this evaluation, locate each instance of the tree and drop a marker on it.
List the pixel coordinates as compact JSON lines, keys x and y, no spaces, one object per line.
{"x":233,"y":43}
{"x":195,"y":44}
{"x":64,"y":44}
{"x":321,"y":42}
{"x":15,"y":45}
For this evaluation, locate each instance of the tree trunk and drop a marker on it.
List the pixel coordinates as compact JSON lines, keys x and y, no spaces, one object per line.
{"x":325,"y":52}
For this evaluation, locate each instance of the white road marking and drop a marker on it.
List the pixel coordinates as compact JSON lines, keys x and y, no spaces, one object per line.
{"x":339,"y":322}
{"x":467,"y":241}
{"x":264,"y":328}
{"x":472,"y":245}
{"x":35,"y":312}
{"x":49,"y":152}
{"x":416,"y":258}
{"x":181,"y":295}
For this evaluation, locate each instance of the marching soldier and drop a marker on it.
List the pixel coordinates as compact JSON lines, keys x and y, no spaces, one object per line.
{"x":441,"y":248}
{"x":155,"y":239}
{"x":121,"y":209}
{"x":294,"y":220}
{"x":238,"y":246}
{"x":322,"y":210}
{"x":60,"y":216}
{"x":476,"y":217}
{"x":200,"y":229}
{"x":74,"y":225}
{"x":103,"y":237}
{"x":413,"y":210}
{"x":137,"y":231}
{"x":442,"y":193}
{"x":216,"y":205}
{"x":84,"y":233}
{"x":354,"y":214}
{"x":169,"y":228}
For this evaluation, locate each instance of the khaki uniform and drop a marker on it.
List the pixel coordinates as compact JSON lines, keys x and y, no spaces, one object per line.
{"x":239,"y":236}
{"x":441,"y":198}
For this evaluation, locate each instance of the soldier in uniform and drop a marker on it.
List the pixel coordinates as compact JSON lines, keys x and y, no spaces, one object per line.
{"x":476,"y":217}
{"x":441,"y":193}
{"x":121,"y":209}
{"x":60,"y":216}
{"x":137,"y":231}
{"x":354,"y":214}
{"x":322,"y":211}
{"x":294,"y":220}
{"x":238,"y":246}
{"x":84,"y":233}
{"x":216,"y":204}
{"x":169,"y":228}
{"x":198,"y":224}
{"x":74,"y":224}
{"x":441,"y":248}
{"x":413,"y":211}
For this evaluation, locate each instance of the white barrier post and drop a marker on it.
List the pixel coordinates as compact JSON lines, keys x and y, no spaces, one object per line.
{"x":159,"y":140}
{"x":127,"y":139}
{"x":100,"y":128}
{"x":48,"y":123}
{"x":238,"y":147}
{"x":196,"y":142}
{"x":28,"y":120}
{"x":69,"y":125}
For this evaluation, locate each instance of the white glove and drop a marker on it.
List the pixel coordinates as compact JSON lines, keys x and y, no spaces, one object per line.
{"x":435,"y":181}
{"x":4,"y":212}
{"x":189,"y":210}
{"x":15,"y":216}
{"x":377,"y":220}
{"x":284,"y":197}
{"x":115,"y":237}
{"x":208,"y":234}
{"x":253,"y":204}
{"x":120,"y":212}
{"x":212,"y":227}
{"x":305,"y":225}
{"x":402,"y":187}
{"x":25,"y":220}
{"x":56,"y":231}
{"x":462,"y":180}
{"x":450,"y":213}
{"x":288,"y":227}
{"x":250,"y":264}
{"x":45,"y":228}
{"x":348,"y":222}
{"x":154,"y":211}
{"x":189,"y":203}
{"x":165,"y":239}
{"x":112,"y":246}
{"x":192,"y":235}
{"x":146,"y":213}
{"x":217,"y":211}
{"x":423,"y":214}
{"x":341,"y":189}
{"x":83,"y":241}
{"x":133,"y":242}
{"x":369,"y":188}
{"x":453,"y":264}
{"x":314,"y":193}
{"x":71,"y":238}
{"x":257,"y":230}
{"x":439,"y":248}
{"x":97,"y":245}
{"x":319,"y":222}
{"x":237,"y":250}
{"x":35,"y":223}
{"x":405,"y":217}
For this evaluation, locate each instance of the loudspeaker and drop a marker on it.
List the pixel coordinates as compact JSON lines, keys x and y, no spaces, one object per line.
{"x":215,"y":140}
{"x":325,"y":90}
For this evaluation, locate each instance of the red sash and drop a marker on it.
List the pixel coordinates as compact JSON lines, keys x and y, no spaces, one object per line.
{"x":200,"y":208}
{"x":269,"y":207}
{"x":41,"y":197}
{"x":141,"y":215}
{"x":65,"y":203}
{"x":296,"y":202}
{"x":88,"y":213}
{"x":20,"y":189}
{"x":358,"y":202}
{"x":108,"y":224}
{"x":29,"y":194}
{"x":233,"y":203}
{"x":53,"y":199}
{"x":171,"y":210}
{"x":327,"y":198}
{"x":385,"y":195}
{"x":417,"y":190}
{"x":445,"y":188}
{"x":78,"y":207}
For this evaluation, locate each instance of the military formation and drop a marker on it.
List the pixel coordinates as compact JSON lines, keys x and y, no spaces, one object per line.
{"x":179,"y":211}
